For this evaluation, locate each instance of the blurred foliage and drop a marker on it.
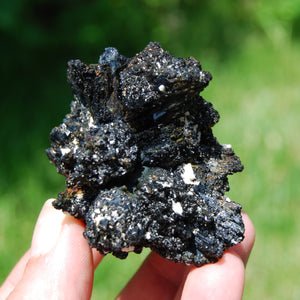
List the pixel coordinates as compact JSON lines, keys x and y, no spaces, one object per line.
{"x":252,"y":49}
{"x":38,"y":37}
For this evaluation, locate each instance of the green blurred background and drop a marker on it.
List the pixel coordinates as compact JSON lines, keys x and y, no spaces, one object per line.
{"x":252,"y":49}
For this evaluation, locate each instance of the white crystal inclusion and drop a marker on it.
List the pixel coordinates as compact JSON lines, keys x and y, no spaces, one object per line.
{"x":188,"y":175}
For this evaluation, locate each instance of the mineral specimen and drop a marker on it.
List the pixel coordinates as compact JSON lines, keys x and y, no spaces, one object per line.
{"x":142,"y":166}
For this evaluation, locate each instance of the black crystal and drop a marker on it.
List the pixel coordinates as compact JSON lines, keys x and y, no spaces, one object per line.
{"x":142,"y":166}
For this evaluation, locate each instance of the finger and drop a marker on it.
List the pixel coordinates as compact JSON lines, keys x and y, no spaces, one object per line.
{"x":152,"y":270}
{"x":225,"y":279}
{"x":244,"y":248}
{"x":97,"y":257}
{"x":45,"y":243}
{"x":156,"y":277}
{"x":59,"y":266}
{"x":222,"y":280}
{"x":47,"y":229}
{"x":14,"y":277}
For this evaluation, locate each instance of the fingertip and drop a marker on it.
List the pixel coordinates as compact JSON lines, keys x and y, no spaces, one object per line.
{"x":60,"y":259}
{"x":47,"y":229}
{"x":222,"y":280}
{"x":250,"y":230}
{"x":244,"y":248}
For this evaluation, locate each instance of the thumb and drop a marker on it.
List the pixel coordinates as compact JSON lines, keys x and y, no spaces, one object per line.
{"x":61,"y":262}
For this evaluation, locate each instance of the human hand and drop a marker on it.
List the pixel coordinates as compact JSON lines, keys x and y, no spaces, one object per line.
{"x":60,"y":265}
{"x":159,"y":278}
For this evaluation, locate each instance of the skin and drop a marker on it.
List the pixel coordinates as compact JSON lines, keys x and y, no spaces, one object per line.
{"x":60,"y":265}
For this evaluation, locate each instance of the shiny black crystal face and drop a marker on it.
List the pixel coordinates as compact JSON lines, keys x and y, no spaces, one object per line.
{"x":142,"y":166}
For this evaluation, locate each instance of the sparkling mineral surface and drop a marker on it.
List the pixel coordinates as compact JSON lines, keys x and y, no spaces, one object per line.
{"x":142,"y":166}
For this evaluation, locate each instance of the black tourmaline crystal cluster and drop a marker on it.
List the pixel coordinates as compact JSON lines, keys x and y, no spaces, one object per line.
{"x":142,"y":166}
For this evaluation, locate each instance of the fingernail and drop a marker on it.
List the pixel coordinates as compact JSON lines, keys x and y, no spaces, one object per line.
{"x":47,"y":229}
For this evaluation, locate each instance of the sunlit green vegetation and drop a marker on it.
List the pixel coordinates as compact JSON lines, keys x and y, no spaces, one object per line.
{"x":252,"y":50}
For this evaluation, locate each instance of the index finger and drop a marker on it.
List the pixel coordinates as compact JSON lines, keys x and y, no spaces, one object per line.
{"x":224,"y":279}
{"x":244,"y":248}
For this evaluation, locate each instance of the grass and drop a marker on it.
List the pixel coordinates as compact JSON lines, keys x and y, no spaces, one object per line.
{"x":261,"y":121}
{"x":256,"y":94}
